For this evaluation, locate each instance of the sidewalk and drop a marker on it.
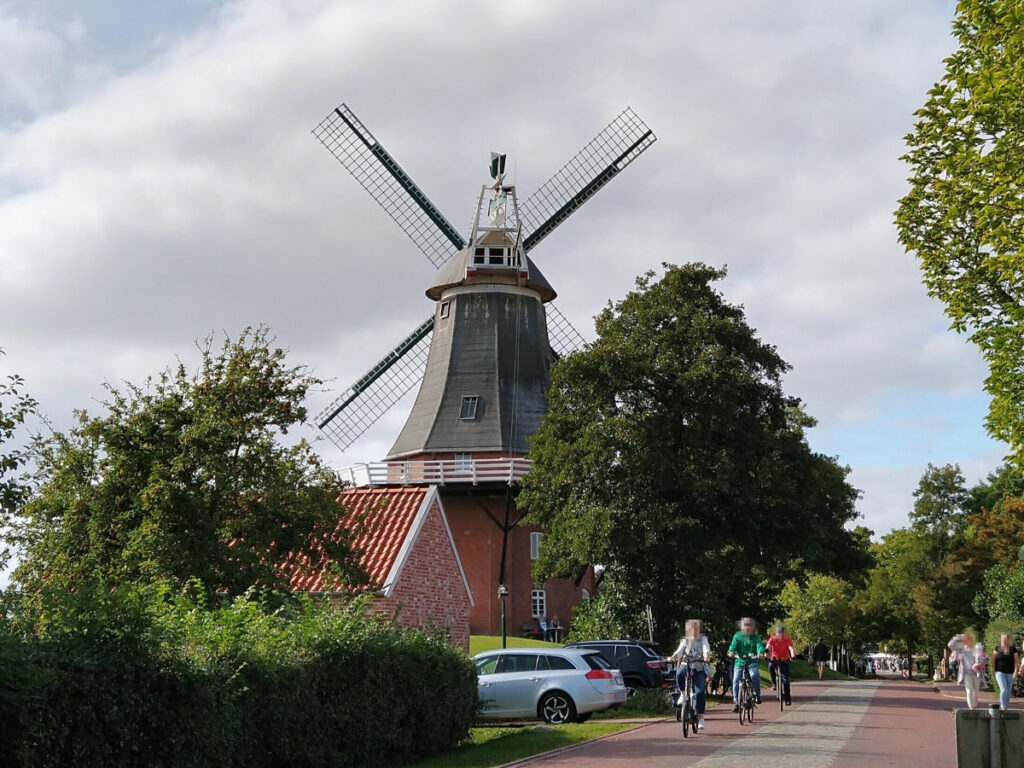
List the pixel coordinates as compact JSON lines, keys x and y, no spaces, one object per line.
{"x":908,"y":725}
{"x":850,"y":724}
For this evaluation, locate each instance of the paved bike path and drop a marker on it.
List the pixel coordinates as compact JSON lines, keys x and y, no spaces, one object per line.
{"x":811,"y":734}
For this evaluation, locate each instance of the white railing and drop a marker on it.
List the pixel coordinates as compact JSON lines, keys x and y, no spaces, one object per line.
{"x":448,"y":472}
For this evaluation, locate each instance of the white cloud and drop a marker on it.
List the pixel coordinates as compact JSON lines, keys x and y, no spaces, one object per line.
{"x":187,"y":194}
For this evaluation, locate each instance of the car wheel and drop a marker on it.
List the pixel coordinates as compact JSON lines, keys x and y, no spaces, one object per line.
{"x":632,"y":686}
{"x":557,"y":708}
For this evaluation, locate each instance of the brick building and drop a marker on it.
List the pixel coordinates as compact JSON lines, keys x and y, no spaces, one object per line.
{"x":410,"y":556}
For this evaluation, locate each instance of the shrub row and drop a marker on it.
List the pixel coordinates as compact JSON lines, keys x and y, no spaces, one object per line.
{"x":237,"y":686}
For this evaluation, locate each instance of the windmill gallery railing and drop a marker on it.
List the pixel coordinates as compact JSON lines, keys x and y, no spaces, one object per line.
{"x":444,"y":472}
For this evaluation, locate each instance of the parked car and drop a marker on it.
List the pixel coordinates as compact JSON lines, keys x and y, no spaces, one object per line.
{"x":557,"y":685}
{"x":641,"y":664}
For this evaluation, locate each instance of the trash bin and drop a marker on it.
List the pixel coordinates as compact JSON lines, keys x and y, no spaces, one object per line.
{"x":989,"y":738}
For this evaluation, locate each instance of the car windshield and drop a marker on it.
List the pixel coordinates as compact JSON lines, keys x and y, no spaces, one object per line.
{"x":596,"y":661}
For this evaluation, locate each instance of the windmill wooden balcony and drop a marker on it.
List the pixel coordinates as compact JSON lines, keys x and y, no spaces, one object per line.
{"x":489,"y":471}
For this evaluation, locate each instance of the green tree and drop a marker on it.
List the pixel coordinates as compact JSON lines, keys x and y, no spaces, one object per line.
{"x":185,"y":478}
{"x":820,"y":605}
{"x":15,"y":407}
{"x":671,"y":455}
{"x":888,"y":602}
{"x":940,"y":507}
{"x":964,"y":213}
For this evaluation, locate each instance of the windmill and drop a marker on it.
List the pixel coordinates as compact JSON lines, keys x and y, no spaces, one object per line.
{"x":374,"y":393}
{"x":482,"y":359}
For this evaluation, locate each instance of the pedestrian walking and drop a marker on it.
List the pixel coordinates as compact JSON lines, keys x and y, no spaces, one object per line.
{"x":1005,"y":664}
{"x":968,"y":676}
{"x":820,"y":656}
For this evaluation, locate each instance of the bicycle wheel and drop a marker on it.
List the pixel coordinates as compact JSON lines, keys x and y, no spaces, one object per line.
{"x":751,"y":705}
{"x":686,"y":719}
{"x":742,"y":700}
{"x":782,"y":698}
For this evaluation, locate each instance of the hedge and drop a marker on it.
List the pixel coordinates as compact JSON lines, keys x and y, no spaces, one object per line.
{"x":237,"y":686}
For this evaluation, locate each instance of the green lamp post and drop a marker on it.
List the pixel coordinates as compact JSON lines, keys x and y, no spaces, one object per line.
{"x":503,"y":594}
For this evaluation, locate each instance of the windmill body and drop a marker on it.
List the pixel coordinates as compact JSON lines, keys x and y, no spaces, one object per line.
{"x":482,"y":361}
{"x":489,"y":363}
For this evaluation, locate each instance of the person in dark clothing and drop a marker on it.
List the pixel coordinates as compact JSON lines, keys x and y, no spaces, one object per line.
{"x":820,"y":656}
{"x":1005,"y":663}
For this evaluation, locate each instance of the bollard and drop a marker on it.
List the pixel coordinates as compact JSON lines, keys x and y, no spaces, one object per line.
{"x":995,"y":752}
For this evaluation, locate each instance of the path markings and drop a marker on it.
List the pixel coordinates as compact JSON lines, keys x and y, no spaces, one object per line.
{"x":810,"y":736}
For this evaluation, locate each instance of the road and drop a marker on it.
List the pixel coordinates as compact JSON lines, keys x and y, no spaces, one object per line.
{"x":851,"y":724}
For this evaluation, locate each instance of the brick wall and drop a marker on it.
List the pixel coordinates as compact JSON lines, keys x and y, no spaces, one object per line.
{"x":430,"y":590}
{"x":479,"y":543}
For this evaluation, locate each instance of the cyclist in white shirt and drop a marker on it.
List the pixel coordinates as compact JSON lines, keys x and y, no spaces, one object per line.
{"x":694,"y":645}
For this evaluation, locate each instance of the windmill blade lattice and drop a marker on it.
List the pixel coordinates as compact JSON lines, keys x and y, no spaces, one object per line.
{"x":379,"y":174}
{"x":562,"y":335}
{"x":621,"y":142}
{"x":362,"y":405}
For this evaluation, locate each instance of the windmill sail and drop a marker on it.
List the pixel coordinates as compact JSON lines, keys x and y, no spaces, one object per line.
{"x":621,"y":142}
{"x":361,"y":405}
{"x":379,"y":174}
{"x":562,"y":335}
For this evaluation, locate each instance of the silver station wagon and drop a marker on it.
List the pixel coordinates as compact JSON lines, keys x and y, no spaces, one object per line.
{"x":558,"y":685}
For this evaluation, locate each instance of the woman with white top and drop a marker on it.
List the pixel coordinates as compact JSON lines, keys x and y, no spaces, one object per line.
{"x":971,"y":669}
{"x":694,"y":645}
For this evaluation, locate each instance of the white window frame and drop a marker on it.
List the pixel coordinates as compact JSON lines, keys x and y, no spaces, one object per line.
{"x":535,"y":544}
{"x":463,"y":462}
{"x":539,"y":603}
{"x":466,"y":399}
{"x":445,"y":310}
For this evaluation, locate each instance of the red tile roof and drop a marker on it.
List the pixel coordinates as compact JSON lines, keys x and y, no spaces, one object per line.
{"x":387,"y":514}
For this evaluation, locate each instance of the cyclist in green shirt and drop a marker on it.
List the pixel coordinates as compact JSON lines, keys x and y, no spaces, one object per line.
{"x":745,"y":643}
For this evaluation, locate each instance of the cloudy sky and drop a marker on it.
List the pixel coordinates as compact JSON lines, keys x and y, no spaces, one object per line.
{"x":158,"y":181}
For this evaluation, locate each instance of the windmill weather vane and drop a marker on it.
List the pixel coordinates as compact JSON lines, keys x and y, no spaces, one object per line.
{"x":473,"y":379}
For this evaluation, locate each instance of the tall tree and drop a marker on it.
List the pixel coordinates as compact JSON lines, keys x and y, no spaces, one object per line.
{"x":940,"y":507}
{"x":185,"y":478}
{"x":964,"y":213}
{"x":671,"y":455}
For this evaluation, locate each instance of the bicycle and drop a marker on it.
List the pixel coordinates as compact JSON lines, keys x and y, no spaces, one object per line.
{"x":684,"y":700}
{"x":747,"y":701}
{"x":722,"y":681}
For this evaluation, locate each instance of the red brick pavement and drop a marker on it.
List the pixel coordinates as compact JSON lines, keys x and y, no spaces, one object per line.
{"x":908,"y":725}
{"x":662,"y":745}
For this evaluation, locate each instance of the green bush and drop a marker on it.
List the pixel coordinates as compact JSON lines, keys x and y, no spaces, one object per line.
{"x":241,"y":685}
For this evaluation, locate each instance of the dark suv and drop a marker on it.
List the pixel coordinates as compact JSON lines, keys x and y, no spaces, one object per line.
{"x":641,"y":664}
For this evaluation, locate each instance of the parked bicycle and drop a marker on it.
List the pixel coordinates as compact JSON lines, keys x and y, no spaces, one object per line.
{"x":721,"y":683}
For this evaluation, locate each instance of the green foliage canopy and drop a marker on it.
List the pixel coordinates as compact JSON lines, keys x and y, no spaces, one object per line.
{"x":184,"y":479}
{"x":671,"y":455}
{"x":819,"y":606}
{"x":964,"y":214}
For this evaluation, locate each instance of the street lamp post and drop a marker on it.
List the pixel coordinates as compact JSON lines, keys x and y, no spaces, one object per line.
{"x":502,"y":594}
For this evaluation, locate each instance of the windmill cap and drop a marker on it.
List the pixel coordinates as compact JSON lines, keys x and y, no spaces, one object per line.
{"x":460,"y":270}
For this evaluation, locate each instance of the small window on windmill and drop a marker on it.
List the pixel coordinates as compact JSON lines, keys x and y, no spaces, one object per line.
{"x":445,"y":310}
{"x":478,"y":256}
{"x":463,"y":462}
{"x":496,"y":256}
{"x":469,"y":404}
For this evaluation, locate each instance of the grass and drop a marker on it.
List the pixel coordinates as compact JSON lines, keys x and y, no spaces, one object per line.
{"x":481,"y":643}
{"x":490,"y":746}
